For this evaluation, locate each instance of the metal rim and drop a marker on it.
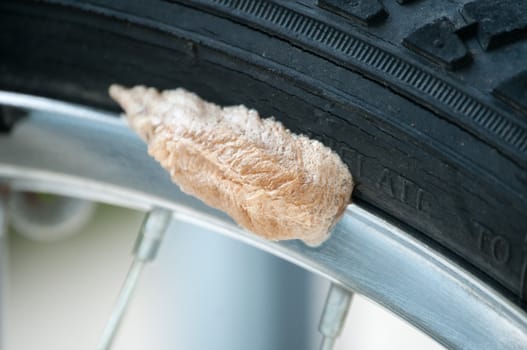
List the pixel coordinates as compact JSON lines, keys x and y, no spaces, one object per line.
{"x":73,"y":150}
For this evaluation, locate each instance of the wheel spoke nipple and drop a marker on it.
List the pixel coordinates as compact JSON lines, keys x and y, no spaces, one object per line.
{"x":334,"y":315}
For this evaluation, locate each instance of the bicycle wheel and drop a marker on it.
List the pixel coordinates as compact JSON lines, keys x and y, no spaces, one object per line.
{"x":422,"y":105}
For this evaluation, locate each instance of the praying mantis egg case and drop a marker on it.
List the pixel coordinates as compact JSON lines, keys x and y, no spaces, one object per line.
{"x":271,"y":181}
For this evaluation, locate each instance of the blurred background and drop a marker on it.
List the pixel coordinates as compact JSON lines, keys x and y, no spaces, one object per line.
{"x":203,"y":291}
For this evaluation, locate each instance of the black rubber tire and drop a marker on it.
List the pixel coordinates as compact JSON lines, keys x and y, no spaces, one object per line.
{"x":423,"y":100}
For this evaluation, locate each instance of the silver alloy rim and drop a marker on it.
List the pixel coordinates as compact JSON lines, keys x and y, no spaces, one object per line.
{"x":77,"y":151}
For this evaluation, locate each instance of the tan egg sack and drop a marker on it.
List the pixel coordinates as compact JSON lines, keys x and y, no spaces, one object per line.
{"x":272,"y":182}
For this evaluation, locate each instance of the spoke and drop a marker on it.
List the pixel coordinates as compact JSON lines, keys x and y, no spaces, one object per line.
{"x":3,"y":265}
{"x":327,"y":343}
{"x":145,"y":250}
{"x":334,"y":315}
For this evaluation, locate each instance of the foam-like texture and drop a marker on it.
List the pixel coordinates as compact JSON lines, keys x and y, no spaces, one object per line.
{"x":272,"y":182}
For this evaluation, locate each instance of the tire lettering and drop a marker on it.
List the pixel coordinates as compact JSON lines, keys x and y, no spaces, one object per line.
{"x":490,"y":243}
{"x":385,"y":182}
{"x":500,"y":249}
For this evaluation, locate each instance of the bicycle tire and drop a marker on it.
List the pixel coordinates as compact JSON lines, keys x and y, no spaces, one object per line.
{"x":435,"y":136}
